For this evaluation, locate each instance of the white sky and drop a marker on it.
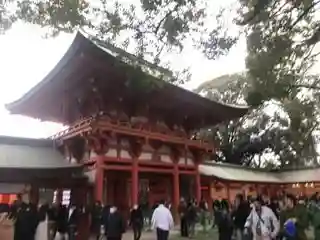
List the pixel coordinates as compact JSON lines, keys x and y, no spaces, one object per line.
{"x":26,"y":57}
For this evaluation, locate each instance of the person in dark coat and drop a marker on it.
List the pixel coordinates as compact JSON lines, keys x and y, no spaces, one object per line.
{"x":15,"y":206}
{"x":136,"y":222}
{"x":225,"y":222}
{"x":240,"y":215}
{"x":72,"y":221}
{"x":216,"y":213}
{"x":96,"y":219}
{"x":26,"y":221}
{"x":183,"y":209}
{"x":61,"y":219}
{"x":191,"y":218}
{"x":105,"y":217}
{"x":115,"y":226}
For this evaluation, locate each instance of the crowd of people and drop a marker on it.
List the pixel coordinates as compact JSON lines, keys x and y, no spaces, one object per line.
{"x":57,"y":221}
{"x":161,"y":221}
{"x":256,"y":218}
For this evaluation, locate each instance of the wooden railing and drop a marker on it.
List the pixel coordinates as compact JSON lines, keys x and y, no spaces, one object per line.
{"x":126,"y":128}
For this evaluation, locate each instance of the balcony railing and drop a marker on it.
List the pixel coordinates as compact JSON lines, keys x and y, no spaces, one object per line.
{"x":94,"y":124}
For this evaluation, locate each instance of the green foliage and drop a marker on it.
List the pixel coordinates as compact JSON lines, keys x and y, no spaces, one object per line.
{"x":281,"y":35}
{"x":281,"y":38}
{"x":147,"y":28}
{"x":283,"y":130}
{"x":239,"y":141}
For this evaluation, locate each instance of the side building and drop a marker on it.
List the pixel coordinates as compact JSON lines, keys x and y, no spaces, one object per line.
{"x":134,"y":131}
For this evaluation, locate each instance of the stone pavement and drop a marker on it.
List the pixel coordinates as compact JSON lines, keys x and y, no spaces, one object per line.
{"x":146,"y":235}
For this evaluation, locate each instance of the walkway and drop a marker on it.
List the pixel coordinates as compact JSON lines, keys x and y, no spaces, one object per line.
{"x":145,"y":235}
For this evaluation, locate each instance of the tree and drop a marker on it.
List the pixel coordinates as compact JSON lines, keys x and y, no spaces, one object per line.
{"x":282,"y":47}
{"x":281,"y":44}
{"x":281,"y":34}
{"x":283,"y":131}
{"x":239,"y":141}
{"x":147,"y":28}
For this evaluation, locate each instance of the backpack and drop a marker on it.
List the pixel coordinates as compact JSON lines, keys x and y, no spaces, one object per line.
{"x":290,"y":229}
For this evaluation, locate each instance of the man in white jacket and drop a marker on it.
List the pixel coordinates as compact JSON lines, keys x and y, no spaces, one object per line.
{"x":262,"y":222}
{"x":162,"y":221}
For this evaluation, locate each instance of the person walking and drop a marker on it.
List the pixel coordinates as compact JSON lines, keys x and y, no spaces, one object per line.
{"x":192,"y":217}
{"x":294,"y":219}
{"x":242,"y":211}
{"x":96,"y":219}
{"x":42,"y":231}
{"x":183,"y":209}
{"x":262,"y":222}
{"x":162,"y":221}
{"x":314,"y":213}
{"x":136,"y":222}
{"x":72,"y":221}
{"x":114,"y":225}
{"x":26,"y":221}
{"x":225,"y":227}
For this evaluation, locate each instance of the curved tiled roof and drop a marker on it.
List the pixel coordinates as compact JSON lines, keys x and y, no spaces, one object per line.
{"x":236,"y":173}
{"x":31,"y":154}
{"x":73,"y":61}
{"x":23,"y":159}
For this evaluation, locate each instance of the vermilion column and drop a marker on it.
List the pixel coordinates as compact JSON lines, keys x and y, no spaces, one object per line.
{"x":134,"y":181}
{"x":99,"y":179}
{"x":198,"y":184}
{"x":228,"y":191}
{"x":176,"y":189}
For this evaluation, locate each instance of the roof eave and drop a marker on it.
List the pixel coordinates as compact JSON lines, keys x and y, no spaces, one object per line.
{"x":82,"y":42}
{"x":14,"y":107}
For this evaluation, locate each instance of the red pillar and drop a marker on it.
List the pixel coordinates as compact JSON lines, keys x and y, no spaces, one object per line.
{"x":99,"y":179}
{"x":198,"y":184}
{"x":176,"y":189}
{"x":134,"y":181}
{"x":228,"y":192}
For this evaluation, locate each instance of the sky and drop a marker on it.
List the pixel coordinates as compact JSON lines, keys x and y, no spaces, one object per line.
{"x":26,"y":57}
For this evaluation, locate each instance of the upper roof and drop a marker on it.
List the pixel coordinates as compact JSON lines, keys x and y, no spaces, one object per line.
{"x":89,"y":58}
{"x":237,"y":173}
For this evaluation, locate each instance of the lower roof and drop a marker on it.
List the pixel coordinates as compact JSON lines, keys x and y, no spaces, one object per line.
{"x":234,"y":173}
{"x":24,"y":158}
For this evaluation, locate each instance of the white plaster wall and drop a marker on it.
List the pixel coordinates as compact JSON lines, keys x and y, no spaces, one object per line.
{"x":182,"y":161}
{"x":165,"y":158}
{"x":124,"y":154}
{"x":93,"y":154}
{"x":91,"y":175}
{"x":146,"y":156}
{"x":111,"y":153}
{"x":190,"y":162}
